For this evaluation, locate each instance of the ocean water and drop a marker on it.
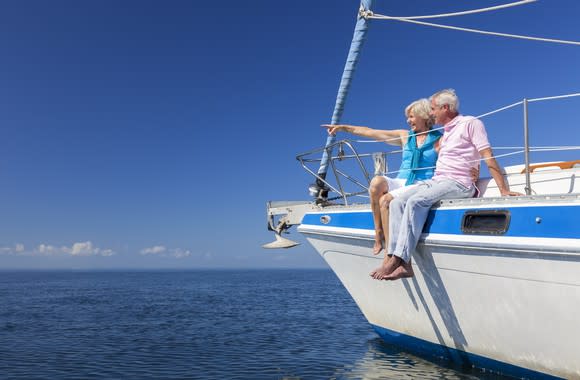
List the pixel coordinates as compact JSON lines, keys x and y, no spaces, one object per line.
{"x":253,"y":324}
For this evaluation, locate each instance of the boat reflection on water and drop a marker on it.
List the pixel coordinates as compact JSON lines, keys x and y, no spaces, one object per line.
{"x":384,"y":361}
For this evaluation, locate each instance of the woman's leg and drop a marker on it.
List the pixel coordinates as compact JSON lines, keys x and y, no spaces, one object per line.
{"x":384,"y":204}
{"x":384,"y":209}
{"x":396,"y":209}
{"x":377,"y":188}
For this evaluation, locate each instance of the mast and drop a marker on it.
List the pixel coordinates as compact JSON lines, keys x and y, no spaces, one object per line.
{"x":320,"y":190}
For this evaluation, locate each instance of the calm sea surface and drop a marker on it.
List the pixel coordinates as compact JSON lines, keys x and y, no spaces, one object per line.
{"x":261,"y":324}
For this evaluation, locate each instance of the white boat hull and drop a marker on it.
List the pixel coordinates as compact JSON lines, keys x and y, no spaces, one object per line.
{"x":508,"y":304}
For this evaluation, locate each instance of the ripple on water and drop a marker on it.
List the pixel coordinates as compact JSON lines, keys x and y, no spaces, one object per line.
{"x":295,"y":324}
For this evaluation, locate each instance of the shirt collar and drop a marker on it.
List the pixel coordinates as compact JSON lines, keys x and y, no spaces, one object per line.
{"x":449,"y":126}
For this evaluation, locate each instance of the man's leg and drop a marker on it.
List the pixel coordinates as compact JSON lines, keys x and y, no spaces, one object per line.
{"x":396,"y":213}
{"x":413,"y":219}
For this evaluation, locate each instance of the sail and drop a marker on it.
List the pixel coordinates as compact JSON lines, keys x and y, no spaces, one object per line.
{"x":359,"y":36}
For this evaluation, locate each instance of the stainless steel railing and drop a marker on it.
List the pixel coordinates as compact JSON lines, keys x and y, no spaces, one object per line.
{"x":339,"y":177}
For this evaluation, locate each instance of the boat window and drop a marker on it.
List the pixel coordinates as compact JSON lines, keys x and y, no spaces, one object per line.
{"x":486,"y":222}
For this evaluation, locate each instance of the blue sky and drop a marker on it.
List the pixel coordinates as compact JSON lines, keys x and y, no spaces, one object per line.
{"x":150,"y":134}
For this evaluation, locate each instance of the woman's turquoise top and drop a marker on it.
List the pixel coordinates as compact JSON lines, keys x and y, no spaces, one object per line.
{"x":415,"y":158}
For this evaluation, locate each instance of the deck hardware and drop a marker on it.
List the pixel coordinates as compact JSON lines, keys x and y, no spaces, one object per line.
{"x":485,"y":222}
{"x":380,"y":163}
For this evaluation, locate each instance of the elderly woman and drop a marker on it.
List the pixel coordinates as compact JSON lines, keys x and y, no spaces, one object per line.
{"x":420,"y":146}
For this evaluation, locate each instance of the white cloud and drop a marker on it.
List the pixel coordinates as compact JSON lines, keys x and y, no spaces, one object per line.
{"x":107,"y":252}
{"x":46,"y":250}
{"x":84,"y":249}
{"x":158,"y":249}
{"x":77,"y":249}
{"x":178,"y":253}
{"x":162,"y":251}
{"x":18,"y":248}
{"x":5,"y":250}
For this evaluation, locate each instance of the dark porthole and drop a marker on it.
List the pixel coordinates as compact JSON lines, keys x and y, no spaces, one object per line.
{"x":486,"y":222}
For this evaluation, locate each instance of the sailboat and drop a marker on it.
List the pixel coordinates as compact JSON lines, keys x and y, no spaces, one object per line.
{"x":496,"y":283}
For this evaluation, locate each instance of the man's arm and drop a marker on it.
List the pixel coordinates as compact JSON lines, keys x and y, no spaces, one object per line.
{"x":495,"y":172}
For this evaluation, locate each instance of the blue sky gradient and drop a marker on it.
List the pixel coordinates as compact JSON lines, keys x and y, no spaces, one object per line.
{"x":150,"y":134}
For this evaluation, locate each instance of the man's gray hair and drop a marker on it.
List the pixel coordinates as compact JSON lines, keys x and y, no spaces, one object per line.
{"x":448,"y":97}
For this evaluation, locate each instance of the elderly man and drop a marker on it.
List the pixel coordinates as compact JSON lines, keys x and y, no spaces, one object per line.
{"x":463,"y":144}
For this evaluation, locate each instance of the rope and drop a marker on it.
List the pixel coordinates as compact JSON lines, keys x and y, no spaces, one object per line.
{"x":554,"y":97}
{"x":500,"y":109}
{"x":537,"y":149}
{"x":365,"y":13}
{"x":468,"y":161}
{"x":483,"y":115}
{"x":555,"y":148}
{"x":382,"y":17}
{"x":483,"y":31}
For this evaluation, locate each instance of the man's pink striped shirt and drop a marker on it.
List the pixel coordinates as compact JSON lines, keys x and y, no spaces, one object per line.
{"x":463,"y":139}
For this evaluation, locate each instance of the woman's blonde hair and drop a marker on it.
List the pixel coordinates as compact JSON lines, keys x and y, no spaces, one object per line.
{"x":421,"y":108}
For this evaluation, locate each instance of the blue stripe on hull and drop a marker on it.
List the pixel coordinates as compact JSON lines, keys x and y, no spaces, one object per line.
{"x":354,"y":219}
{"x":556,"y":221}
{"x":427,"y":349}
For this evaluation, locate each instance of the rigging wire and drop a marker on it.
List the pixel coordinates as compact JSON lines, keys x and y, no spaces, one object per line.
{"x":499,"y":109}
{"x":479,"y":31}
{"x":520,"y":150}
{"x":539,"y":148}
{"x":554,"y":97}
{"x":482,"y":115}
{"x":369,"y":14}
{"x":546,"y":149}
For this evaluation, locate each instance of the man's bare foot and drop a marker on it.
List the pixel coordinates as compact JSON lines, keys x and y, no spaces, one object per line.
{"x":388,"y":266}
{"x":404,"y":270}
{"x":376,"y":270}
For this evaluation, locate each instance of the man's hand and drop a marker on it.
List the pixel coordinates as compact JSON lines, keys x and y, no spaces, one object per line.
{"x":497,"y":174}
{"x":507,"y":193}
{"x":475,"y":174}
